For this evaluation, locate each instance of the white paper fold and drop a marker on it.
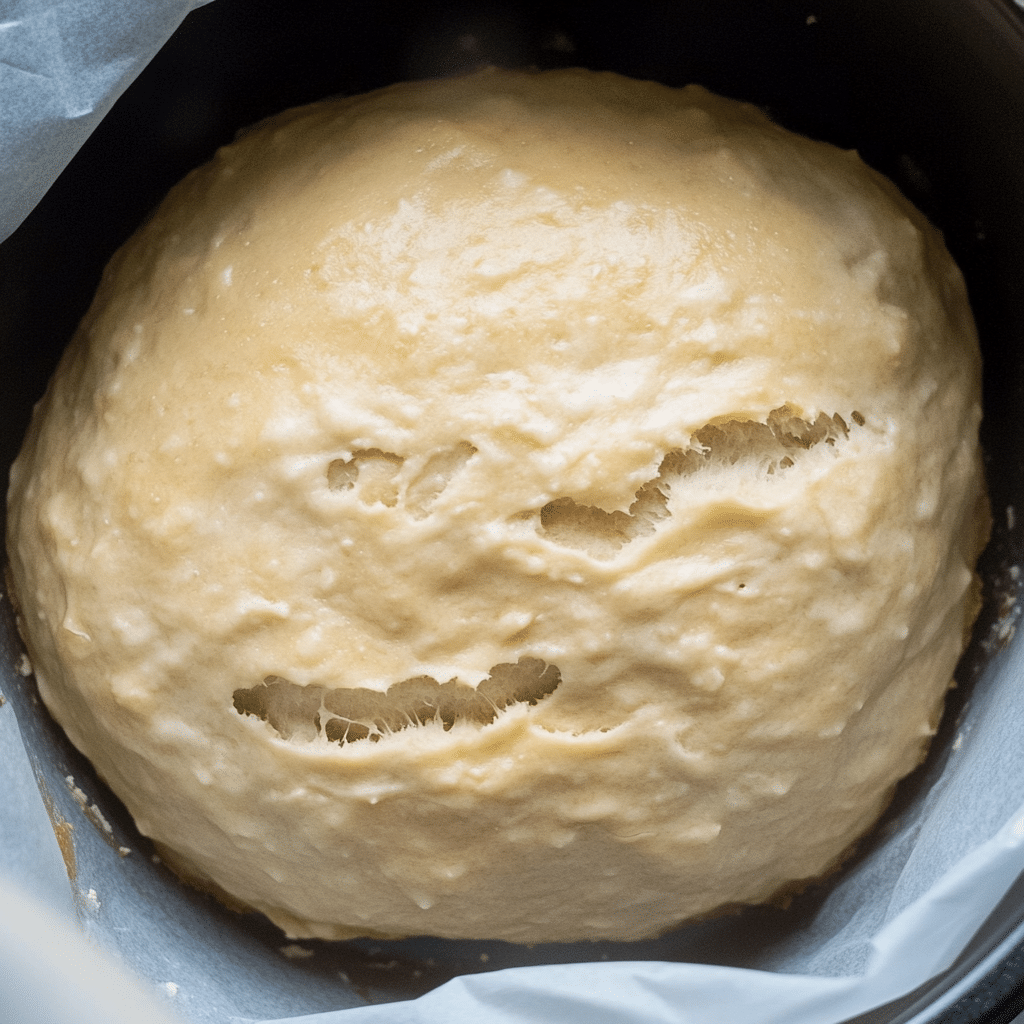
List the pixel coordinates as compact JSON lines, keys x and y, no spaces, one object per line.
{"x":62,"y":66}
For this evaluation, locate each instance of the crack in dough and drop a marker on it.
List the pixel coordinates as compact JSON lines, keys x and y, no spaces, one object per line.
{"x":345,"y":714}
{"x":768,"y":448}
{"x":375,"y":473}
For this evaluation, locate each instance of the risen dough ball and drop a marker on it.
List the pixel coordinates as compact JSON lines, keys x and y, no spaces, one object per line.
{"x":532,"y":506}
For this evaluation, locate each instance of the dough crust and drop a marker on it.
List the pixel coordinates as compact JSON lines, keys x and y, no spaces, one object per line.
{"x":524,"y":506}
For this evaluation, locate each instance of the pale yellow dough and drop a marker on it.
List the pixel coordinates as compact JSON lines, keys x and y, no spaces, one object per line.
{"x":620,"y":384}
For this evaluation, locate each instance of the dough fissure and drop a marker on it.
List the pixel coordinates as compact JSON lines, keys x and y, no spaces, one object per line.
{"x":373,"y":469}
{"x":764,"y":448}
{"x":375,"y":474}
{"x":345,"y":714}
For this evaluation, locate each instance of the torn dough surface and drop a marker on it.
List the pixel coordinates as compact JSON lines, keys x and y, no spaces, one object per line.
{"x":525,"y":506}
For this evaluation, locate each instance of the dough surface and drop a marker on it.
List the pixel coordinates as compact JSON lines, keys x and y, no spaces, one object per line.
{"x":525,"y":506}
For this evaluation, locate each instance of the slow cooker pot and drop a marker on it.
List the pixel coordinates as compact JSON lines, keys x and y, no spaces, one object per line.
{"x":930,"y":93}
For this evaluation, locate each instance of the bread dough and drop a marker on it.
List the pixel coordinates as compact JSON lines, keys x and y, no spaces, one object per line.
{"x":535,"y":506}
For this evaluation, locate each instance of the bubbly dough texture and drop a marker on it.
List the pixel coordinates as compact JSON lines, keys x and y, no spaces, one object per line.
{"x":525,"y":506}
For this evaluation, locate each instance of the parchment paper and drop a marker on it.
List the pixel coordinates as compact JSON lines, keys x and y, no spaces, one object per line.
{"x":902,"y":911}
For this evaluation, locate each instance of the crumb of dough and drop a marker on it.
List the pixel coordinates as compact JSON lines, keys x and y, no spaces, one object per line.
{"x":293,"y":951}
{"x":527,"y":506}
